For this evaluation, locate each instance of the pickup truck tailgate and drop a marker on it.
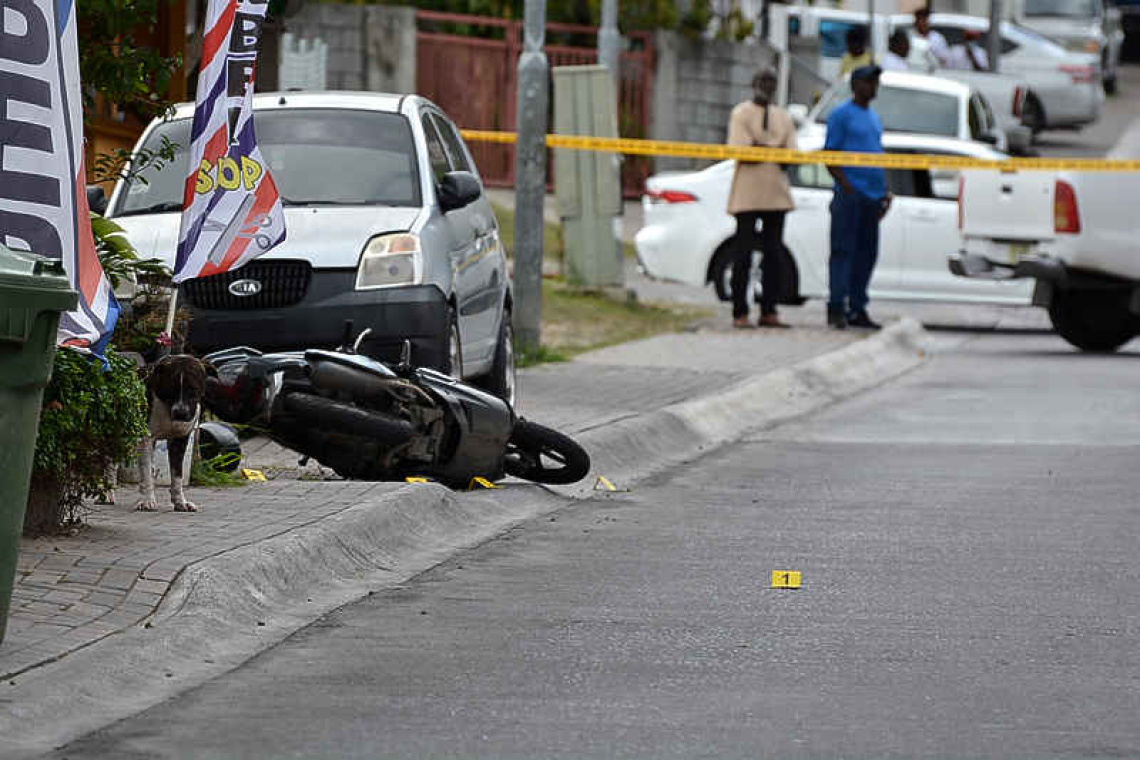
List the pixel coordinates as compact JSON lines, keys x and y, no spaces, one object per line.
{"x":1007,"y":205}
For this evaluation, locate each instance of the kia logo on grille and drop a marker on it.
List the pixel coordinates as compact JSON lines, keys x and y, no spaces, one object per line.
{"x":245,"y":288}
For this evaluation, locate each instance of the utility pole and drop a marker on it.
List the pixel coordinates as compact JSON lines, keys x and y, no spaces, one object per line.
{"x":609,"y":39}
{"x":871,"y":28}
{"x":530,"y":176}
{"x":993,"y":41}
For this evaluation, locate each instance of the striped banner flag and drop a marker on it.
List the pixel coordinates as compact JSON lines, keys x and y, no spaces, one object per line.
{"x":43,"y":195}
{"x":231,"y":209}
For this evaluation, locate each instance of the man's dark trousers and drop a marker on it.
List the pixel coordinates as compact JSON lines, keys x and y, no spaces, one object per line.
{"x":854,"y":250}
{"x":769,"y":240}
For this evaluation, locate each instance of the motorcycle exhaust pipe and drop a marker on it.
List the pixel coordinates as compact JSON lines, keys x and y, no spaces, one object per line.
{"x":357,"y":383}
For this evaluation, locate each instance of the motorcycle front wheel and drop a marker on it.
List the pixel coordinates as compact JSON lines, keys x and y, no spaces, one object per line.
{"x":543,"y":455}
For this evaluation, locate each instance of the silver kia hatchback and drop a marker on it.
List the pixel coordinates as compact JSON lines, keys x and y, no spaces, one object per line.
{"x":387,"y":225}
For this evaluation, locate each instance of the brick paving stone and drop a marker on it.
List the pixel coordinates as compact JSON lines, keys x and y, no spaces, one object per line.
{"x":108,"y":599}
{"x":144,"y":599}
{"x":154,"y":587}
{"x":117,"y":578}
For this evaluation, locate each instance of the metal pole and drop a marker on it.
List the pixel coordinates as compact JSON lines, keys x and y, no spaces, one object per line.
{"x":871,"y":28}
{"x":609,"y":39}
{"x":993,"y":41}
{"x":530,"y":176}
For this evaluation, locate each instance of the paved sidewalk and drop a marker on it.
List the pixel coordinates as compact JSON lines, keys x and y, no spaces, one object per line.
{"x":73,"y":591}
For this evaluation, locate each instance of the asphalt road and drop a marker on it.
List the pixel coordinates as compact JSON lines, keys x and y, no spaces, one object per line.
{"x":967,"y":539}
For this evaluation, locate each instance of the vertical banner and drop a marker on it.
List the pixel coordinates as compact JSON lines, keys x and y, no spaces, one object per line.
{"x":231,"y":210}
{"x":43,"y":196}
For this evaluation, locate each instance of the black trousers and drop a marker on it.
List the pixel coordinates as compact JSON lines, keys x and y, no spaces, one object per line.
{"x":769,"y":240}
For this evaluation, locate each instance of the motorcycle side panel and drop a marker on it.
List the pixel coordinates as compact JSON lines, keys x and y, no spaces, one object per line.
{"x":484,"y":421}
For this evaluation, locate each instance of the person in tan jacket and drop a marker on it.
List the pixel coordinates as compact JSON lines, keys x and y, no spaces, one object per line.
{"x":759,"y":193}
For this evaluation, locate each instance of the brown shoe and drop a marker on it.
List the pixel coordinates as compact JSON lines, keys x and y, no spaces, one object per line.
{"x":742,"y":323}
{"x":771,"y":320}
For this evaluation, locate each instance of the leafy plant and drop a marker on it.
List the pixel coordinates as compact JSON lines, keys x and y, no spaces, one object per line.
{"x":216,"y":472}
{"x":122,"y":164}
{"x":115,"y":60}
{"x":92,"y":418}
{"x":118,"y":256}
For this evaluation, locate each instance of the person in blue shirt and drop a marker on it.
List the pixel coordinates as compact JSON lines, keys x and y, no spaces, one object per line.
{"x":860,"y":202}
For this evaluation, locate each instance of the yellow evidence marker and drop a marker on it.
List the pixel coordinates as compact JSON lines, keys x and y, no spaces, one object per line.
{"x":603,"y":483}
{"x":416,"y":480}
{"x":785,"y":579}
{"x":253,"y":475}
{"x":478,"y":481}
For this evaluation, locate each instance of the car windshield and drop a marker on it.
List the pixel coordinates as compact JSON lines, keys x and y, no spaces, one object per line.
{"x":316,"y":156}
{"x":1071,"y":8}
{"x":904,"y":110}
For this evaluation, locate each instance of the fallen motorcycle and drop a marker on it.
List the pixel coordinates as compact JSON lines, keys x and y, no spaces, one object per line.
{"x":369,"y":420}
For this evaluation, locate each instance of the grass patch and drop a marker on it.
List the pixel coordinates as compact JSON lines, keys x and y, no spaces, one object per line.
{"x":552,"y":246}
{"x":574,"y":322}
{"x":212,"y":473}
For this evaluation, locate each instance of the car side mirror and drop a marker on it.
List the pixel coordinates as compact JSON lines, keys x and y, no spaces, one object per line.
{"x":458,"y":189}
{"x":96,"y":199}
{"x":798,"y":112}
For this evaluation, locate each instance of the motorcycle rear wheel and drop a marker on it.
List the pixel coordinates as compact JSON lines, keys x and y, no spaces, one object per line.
{"x":532,"y":446}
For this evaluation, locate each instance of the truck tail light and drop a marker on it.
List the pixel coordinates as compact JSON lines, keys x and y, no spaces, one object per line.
{"x":1080,"y":74}
{"x":671,"y":196}
{"x":961,"y":199}
{"x":1066,"y":215}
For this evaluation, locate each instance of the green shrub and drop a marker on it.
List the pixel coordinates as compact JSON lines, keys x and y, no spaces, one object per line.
{"x":92,"y":418}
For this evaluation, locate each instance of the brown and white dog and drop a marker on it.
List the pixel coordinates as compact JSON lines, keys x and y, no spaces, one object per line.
{"x":174,"y":388}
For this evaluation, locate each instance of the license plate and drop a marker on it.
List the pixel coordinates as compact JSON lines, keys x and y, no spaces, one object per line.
{"x":1016,"y":251}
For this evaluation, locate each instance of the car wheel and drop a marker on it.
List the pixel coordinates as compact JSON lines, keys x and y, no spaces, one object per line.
{"x":721,"y":274}
{"x":452,"y":363}
{"x":1033,"y":115}
{"x":501,"y":380}
{"x":1093,"y":321}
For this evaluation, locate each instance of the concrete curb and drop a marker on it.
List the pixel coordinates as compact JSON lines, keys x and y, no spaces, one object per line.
{"x":226,"y":609}
{"x":630,"y":450}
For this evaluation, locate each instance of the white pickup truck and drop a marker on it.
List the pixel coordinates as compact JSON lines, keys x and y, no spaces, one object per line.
{"x":1074,"y":233}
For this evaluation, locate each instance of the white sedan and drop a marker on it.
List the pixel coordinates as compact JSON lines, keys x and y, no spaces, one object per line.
{"x":687,"y":231}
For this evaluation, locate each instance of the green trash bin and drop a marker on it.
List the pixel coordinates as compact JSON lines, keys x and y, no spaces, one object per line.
{"x":33,"y":293}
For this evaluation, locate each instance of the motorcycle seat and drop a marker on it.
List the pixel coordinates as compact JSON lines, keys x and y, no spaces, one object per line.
{"x":351,"y":361}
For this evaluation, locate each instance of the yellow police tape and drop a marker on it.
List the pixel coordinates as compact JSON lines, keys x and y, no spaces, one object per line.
{"x":832,"y":158}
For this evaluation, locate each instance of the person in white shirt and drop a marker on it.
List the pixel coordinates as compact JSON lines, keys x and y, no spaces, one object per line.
{"x":937,"y":43}
{"x":970,"y":55}
{"x":898,"y":49}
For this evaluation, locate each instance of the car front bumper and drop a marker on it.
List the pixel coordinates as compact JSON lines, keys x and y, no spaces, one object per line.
{"x":418,"y":313}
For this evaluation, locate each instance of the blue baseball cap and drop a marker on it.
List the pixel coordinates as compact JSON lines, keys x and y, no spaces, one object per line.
{"x":866,"y":72}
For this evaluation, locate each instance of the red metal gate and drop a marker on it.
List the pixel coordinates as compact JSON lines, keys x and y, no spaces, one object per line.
{"x":474,"y":78}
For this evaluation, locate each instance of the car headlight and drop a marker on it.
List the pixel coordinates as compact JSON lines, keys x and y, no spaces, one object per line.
{"x":390,"y":260}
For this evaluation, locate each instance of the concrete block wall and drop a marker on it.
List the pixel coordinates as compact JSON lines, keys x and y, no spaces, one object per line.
{"x":370,"y":47}
{"x":696,"y":85}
